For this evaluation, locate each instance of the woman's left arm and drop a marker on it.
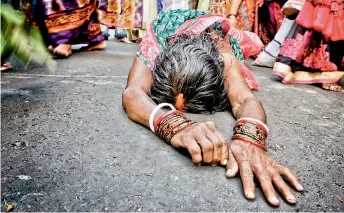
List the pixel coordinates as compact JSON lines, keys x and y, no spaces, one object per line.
{"x":245,"y":157}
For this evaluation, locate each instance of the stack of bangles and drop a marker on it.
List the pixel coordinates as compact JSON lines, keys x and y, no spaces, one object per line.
{"x":252,"y":131}
{"x":169,"y":123}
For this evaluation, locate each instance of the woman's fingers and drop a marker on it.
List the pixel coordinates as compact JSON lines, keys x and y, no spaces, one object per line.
{"x":217,"y":147}
{"x":232,"y":165}
{"x":206,"y":147}
{"x":220,"y":144}
{"x":287,"y":174}
{"x":282,"y":186}
{"x":225,"y":148}
{"x":247,"y":179}
{"x":266,"y":183}
{"x":195,"y":151}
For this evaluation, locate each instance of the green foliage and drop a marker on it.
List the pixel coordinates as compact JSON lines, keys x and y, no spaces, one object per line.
{"x":22,"y":40}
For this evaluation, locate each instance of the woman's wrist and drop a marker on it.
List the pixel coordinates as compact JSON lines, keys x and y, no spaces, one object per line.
{"x":252,"y":131}
{"x":231,"y":15}
{"x":171,"y":123}
{"x":157,"y":110}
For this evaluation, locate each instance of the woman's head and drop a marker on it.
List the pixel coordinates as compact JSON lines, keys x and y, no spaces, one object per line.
{"x":189,"y":70}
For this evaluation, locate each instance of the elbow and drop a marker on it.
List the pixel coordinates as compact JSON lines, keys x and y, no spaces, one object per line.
{"x":129,"y":97}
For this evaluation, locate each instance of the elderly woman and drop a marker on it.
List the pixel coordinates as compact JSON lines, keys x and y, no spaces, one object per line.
{"x":190,"y":60}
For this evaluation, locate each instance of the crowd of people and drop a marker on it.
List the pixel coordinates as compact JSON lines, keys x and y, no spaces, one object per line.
{"x":303,"y":38}
{"x":190,"y":59}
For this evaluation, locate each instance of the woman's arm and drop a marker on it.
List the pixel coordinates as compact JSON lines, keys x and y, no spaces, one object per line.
{"x":203,"y":141}
{"x":247,"y":158}
{"x":233,"y":10}
{"x":135,"y":99}
{"x":244,"y":103}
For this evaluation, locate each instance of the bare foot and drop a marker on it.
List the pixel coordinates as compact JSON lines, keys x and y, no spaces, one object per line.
{"x":97,"y":46}
{"x":64,"y":50}
{"x":5,"y":66}
{"x":332,"y":87}
{"x":125,"y":40}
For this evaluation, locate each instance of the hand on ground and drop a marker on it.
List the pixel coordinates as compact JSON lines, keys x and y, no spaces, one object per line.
{"x":251,"y":161}
{"x":204,"y":143}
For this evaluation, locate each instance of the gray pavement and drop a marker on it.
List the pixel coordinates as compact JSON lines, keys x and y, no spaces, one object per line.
{"x":66,"y":133}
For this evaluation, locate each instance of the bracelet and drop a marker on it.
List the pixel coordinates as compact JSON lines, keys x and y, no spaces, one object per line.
{"x":231,"y":15}
{"x":249,"y":140}
{"x":163,"y":116}
{"x":171,"y":123}
{"x":155,"y":110}
{"x":251,"y":130}
{"x":257,"y":122}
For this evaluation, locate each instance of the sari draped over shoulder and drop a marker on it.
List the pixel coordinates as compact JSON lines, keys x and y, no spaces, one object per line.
{"x":174,"y":22}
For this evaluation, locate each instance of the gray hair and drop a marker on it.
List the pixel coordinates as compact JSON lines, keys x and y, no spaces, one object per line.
{"x":191,"y":66}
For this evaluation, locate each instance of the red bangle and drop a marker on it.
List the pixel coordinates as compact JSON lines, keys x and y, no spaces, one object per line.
{"x":164,"y":116}
{"x":256,"y":123}
{"x":249,"y":140}
{"x":182,"y":127}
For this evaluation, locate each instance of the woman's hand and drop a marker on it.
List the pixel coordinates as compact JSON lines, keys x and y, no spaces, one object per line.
{"x":252,"y":161}
{"x":232,"y":21}
{"x":204,"y":143}
{"x":260,"y":3}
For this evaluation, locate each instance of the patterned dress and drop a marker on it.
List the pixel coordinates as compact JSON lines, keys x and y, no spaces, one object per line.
{"x":168,"y":22}
{"x":174,"y":22}
{"x":313,"y":51}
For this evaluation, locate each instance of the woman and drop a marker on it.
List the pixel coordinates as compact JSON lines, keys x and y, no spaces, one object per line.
{"x":145,"y":12}
{"x":270,"y":17}
{"x":262,"y":17}
{"x":67,"y":22}
{"x":179,"y":4}
{"x":268,"y":56}
{"x":313,"y":51}
{"x":190,"y":60}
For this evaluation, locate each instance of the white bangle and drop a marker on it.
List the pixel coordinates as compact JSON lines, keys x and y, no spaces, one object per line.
{"x":257,"y":121}
{"x":155,"y":110}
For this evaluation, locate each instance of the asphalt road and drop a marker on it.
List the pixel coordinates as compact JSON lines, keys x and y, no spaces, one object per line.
{"x":67,"y":145}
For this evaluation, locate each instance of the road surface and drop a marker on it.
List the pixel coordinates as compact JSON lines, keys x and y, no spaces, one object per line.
{"x":67,"y":145}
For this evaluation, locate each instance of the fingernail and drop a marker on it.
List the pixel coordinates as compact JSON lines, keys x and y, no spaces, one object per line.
{"x":229,"y":172}
{"x":224,"y":162}
{"x":250,"y":195}
{"x":300,"y":188}
{"x":274,"y":200}
{"x":291,"y":199}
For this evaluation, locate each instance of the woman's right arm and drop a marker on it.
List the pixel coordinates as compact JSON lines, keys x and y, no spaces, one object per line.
{"x":202,"y":140}
{"x":135,"y":99}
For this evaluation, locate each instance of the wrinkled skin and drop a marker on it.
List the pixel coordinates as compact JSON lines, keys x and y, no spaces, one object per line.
{"x":204,"y":143}
{"x":207,"y":145}
{"x":250,"y":160}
